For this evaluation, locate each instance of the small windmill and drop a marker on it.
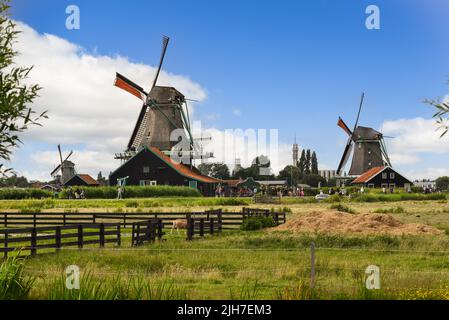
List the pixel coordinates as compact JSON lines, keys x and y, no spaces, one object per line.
{"x":66,"y":167}
{"x":164,"y":109}
{"x":369,"y":151}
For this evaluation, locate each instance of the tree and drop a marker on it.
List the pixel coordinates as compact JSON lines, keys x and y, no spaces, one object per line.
{"x":15,"y":95}
{"x":313,"y":180}
{"x":314,"y":164}
{"x":291,"y":174}
{"x":307,"y":164}
{"x":442,"y":183}
{"x":216,"y":170}
{"x":442,"y":113}
{"x":302,"y":163}
{"x":259,"y":170}
{"x":14,"y":181}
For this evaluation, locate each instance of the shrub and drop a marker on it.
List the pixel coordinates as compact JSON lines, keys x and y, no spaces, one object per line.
{"x":136,"y":192}
{"x":342,"y":208}
{"x":19,"y":194}
{"x":256,"y":223}
{"x":390,"y":210}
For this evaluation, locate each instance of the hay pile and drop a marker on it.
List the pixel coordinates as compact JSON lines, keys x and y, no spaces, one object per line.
{"x":366,"y":223}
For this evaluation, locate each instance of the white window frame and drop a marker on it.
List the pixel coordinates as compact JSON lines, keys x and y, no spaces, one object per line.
{"x":384,"y":185}
{"x":371,"y":185}
{"x":392,"y":185}
{"x":392,"y":175}
{"x":146,"y":171}
{"x":144,"y":183}
{"x":384,"y":175}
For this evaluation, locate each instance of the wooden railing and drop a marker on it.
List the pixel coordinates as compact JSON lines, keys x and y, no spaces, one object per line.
{"x":278,"y":217}
{"x":146,"y":231}
{"x":34,"y":239}
{"x":200,"y":226}
{"x":229,"y":220}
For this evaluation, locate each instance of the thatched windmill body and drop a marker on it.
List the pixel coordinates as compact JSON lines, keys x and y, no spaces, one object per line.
{"x":366,"y":145}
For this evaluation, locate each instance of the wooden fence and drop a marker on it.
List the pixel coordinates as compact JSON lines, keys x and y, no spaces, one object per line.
{"x":146,"y":231}
{"x":278,"y":217}
{"x":33,"y":239}
{"x":200,"y":226}
{"x":229,"y":220}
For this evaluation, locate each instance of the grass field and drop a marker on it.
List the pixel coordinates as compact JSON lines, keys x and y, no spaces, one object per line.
{"x":251,"y":264}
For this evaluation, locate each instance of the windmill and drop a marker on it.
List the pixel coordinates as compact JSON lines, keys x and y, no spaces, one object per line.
{"x":66,"y":167}
{"x":164,"y":110}
{"x":367,"y":146}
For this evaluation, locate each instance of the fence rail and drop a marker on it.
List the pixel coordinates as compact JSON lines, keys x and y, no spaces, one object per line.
{"x":230,"y":220}
{"x":33,"y":239}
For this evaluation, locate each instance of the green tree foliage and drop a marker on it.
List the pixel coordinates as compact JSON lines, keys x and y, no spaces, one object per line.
{"x":442,"y":183}
{"x":215,"y":170}
{"x":291,"y":174}
{"x":15,"y":96}
{"x":313,"y":180}
{"x":302,"y":163}
{"x":314,"y":164}
{"x":308,"y":162}
{"x":442,"y":114}
{"x":14,"y":181}
{"x":259,"y":170}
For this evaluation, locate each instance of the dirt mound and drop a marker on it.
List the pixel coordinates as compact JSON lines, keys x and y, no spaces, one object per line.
{"x":365,"y":223}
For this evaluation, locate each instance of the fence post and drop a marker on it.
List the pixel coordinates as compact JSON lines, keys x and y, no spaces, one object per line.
{"x":220,"y":220}
{"x":5,"y":254}
{"x":34,"y":219}
{"x":159,"y":228}
{"x":148,"y":231}
{"x":80,"y":236}
{"x":190,"y":227}
{"x":58,"y":237}
{"x":211,"y":225}
{"x":119,"y":235}
{"x":133,"y":235}
{"x":94,"y":218}
{"x":202,"y":227}
{"x":312,"y":265}
{"x":102,"y":235}
{"x":64,"y":217}
{"x":33,"y":242}
{"x":124,"y":220}
{"x":6,"y":219}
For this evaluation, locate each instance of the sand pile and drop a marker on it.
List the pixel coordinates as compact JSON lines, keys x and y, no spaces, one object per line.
{"x":366,"y":223}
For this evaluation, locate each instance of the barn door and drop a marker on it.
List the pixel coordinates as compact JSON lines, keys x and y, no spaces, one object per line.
{"x":193,"y":184}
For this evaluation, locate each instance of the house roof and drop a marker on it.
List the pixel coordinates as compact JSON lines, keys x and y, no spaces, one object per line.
{"x":182,"y":169}
{"x":233,"y":183}
{"x":86,"y":178}
{"x":272,"y":182}
{"x":368,"y":175}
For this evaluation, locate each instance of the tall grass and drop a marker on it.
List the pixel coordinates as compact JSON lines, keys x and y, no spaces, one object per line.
{"x":115,"y":288}
{"x":14,"y":284}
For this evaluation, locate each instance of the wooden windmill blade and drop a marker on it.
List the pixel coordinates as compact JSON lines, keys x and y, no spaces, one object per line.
{"x":345,"y":156}
{"x":124,"y":83}
{"x":165,"y":41}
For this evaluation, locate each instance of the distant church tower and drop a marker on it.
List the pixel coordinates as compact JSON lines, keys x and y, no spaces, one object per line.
{"x":237,"y":166}
{"x":295,"y":153}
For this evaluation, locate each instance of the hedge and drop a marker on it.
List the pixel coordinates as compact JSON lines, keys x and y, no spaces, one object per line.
{"x":135,"y":192}
{"x":20,"y":194}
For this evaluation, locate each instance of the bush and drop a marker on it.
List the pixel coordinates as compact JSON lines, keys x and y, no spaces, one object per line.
{"x":390,"y":210}
{"x":20,"y":194}
{"x":256,"y":223}
{"x":342,"y":208}
{"x":136,"y":192}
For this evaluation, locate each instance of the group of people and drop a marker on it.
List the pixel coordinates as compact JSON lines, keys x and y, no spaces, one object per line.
{"x":77,"y":194}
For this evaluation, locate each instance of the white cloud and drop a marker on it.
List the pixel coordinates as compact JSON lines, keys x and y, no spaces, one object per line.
{"x":428,"y":173}
{"x":84,"y":107}
{"x":413,"y":137}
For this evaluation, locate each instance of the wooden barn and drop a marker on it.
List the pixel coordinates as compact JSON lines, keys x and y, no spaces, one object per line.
{"x":382,"y":177}
{"x":150,"y":167}
{"x":83,"y":180}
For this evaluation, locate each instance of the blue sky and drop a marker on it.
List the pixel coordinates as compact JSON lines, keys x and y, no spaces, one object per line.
{"x":291,"y":65}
